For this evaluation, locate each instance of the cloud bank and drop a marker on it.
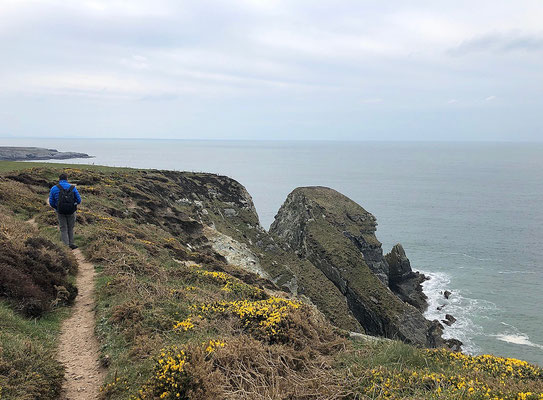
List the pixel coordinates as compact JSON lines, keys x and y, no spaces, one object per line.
{"x":265,"y":69}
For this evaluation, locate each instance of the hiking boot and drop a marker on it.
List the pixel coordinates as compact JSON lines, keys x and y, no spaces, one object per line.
{"x":73,"y":246}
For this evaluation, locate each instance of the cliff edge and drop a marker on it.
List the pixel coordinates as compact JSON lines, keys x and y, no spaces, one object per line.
{"x":195,"y":300}
{"x":338,"y":236}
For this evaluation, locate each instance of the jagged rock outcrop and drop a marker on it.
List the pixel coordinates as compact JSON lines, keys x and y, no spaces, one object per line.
{"x":338,"y":236}
{"x":403,"y":281}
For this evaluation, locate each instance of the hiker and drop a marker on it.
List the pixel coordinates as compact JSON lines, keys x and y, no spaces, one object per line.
{"x":64,"y":198}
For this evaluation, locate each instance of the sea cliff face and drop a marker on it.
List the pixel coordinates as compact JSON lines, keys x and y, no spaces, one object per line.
{"x":338,"y":236}
{"x":321,"y":247}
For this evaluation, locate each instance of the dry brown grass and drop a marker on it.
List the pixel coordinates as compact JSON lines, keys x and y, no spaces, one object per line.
{"x":254,"y":371}
{"x":34,"y":272}
{"x":120,"y":258}
{"x":247,"y":369}
{"x":20,"y":198}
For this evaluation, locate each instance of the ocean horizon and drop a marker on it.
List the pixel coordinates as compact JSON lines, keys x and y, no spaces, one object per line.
{"x":469,"y":214}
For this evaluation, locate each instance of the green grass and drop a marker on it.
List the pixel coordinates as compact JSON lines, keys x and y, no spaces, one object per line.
{"x":7,"y":166}
{"x":28,"y":369}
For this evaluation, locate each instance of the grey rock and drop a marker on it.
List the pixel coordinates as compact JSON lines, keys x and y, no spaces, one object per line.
{"x":454,"y":344}
{"x":230,"y":212}
{"x":406,"y":283}
{"x":8,"y":153}
{"x":449,"y":320}
{"x":344,"y":247}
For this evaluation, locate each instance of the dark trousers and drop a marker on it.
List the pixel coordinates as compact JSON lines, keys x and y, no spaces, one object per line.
{"x":66,"y":224}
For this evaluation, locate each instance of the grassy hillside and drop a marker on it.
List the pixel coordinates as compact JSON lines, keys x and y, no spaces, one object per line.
{"x":175,"y":320}
{"x":35,"y":287}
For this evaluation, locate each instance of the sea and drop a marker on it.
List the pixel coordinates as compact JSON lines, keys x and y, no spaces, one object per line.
{"x":469,"y":215}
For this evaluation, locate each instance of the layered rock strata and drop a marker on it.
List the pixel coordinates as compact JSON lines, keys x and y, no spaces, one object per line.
{"x":338,"y":236}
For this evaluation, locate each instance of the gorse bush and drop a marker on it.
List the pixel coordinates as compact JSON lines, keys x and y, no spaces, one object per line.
{"x":21,"y":199}
{"x":241,"y":368}
{"x":399,"y":374}
{"x":500,"y":367}
{"x":264,"y":318}
{"x":180,"y":374}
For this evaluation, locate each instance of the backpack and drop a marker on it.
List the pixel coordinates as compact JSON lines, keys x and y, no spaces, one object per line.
{"x":66,"y":200}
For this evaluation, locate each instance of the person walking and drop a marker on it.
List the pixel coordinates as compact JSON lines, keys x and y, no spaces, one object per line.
{"x":64,"y":198}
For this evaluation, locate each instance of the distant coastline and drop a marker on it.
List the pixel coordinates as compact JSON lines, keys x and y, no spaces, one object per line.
{"x":10,"y":153}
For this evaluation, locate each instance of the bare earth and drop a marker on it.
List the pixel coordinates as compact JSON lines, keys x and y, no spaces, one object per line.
{"x":79,"y":348}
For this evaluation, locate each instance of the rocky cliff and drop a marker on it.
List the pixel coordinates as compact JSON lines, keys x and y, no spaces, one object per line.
{"x":9,"y":153}
{"x":317,"y":250}
{"x":193,"y":302}
{"x":338,"y":236}
{"x":403,"y":281}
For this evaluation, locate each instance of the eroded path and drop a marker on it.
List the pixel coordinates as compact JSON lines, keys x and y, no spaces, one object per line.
{"x":78,"y":347}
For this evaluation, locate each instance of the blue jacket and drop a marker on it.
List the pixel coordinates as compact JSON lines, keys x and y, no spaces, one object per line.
{"x":53,"y":194}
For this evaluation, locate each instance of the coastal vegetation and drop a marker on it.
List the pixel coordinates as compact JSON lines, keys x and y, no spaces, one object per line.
{"x":176,"y":320}
{"x":36,"y":287}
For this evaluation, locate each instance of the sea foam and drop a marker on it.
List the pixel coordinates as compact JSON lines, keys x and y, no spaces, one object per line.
{"x":463,"y":308}
{"x":513,"y":335}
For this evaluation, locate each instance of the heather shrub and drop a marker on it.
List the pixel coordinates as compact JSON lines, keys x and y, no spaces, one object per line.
{"x":33,"y":271}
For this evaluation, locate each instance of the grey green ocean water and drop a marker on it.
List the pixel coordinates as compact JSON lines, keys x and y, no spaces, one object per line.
{"x":470,"y":215}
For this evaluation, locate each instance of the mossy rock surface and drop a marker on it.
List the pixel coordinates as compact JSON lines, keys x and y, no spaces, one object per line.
{"x":338,"y":236}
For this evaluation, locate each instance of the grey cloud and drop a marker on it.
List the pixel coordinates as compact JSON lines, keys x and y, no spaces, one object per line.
{"x":497,"y":43}
{"x":251,"y":68}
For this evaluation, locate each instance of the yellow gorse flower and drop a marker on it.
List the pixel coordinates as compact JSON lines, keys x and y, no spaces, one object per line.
{"x":212,"y":345}
{"x":267,"y":314}
{"x":170,"y":379}
{"x":497,"y":366}
{"x":230,"y":283}
{"x":382,"y":383}
{"x":185,"y":325}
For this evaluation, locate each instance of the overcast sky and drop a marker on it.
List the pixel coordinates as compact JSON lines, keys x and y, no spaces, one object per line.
{"x":263,"y":69}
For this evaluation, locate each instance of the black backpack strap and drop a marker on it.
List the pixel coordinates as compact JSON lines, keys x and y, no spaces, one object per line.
{"x":68,"y":190}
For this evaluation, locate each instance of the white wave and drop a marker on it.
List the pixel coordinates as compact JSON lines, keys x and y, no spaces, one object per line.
{"x":463,"y":308}
{"x":515,"y":336}
{"x":518,"y":339}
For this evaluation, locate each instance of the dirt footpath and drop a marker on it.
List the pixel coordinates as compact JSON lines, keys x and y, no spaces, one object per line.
{"x":79,"y":349}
